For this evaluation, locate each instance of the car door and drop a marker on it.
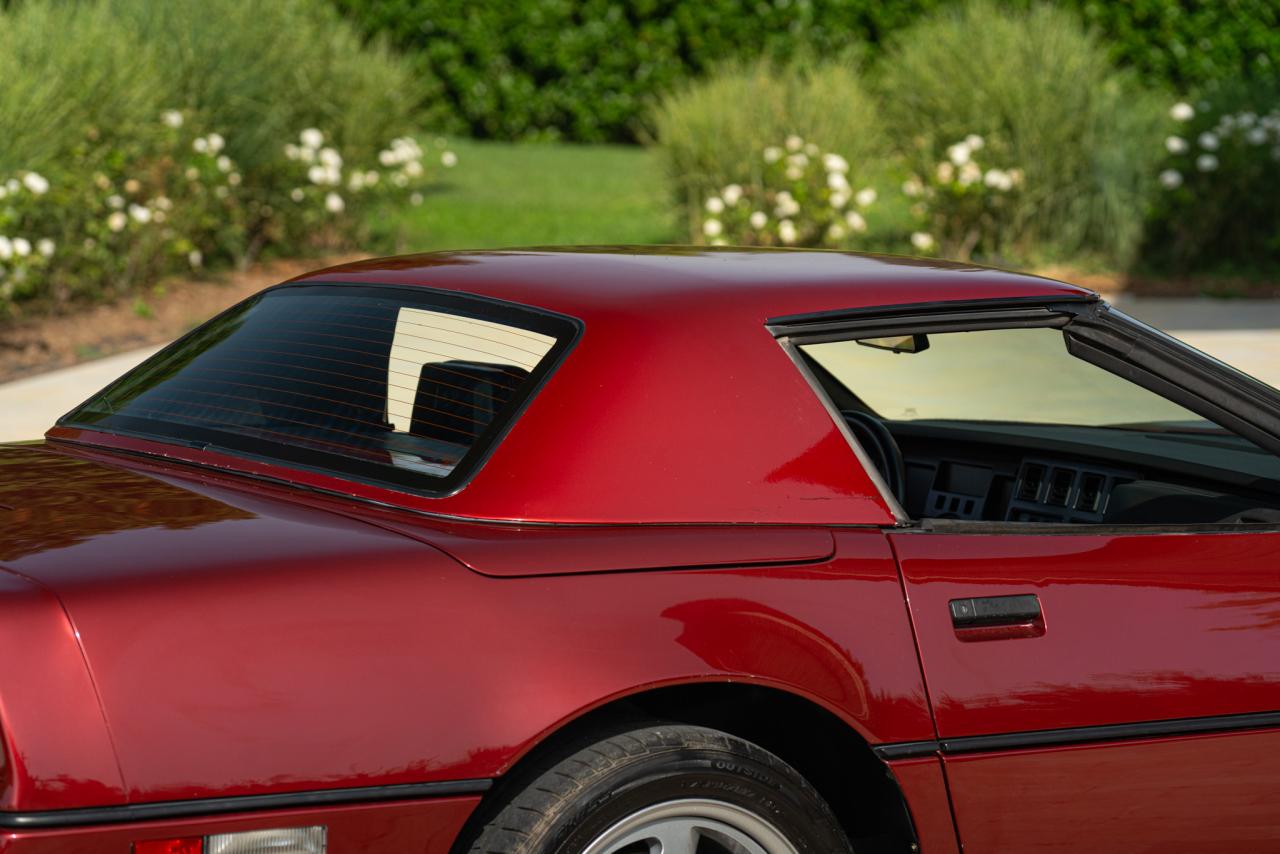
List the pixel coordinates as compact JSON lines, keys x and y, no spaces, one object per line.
{"x":1100,"y":650}
{"x":1131,"y":705}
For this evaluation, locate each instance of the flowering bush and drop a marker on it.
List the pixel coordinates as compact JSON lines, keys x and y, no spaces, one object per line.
{"x":136,"y":212}
{"x":803,"y":198}
{"x":1221,"y":161}
{"x":965,"y":207}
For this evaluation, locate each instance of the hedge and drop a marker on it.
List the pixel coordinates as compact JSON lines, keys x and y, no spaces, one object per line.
{"x":589,"y":70}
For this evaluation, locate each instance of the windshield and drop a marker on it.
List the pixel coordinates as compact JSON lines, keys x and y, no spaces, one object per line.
{"x":1007,"y":375}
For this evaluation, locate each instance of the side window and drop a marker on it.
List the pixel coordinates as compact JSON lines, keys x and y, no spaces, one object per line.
{"x":1006,"y":425}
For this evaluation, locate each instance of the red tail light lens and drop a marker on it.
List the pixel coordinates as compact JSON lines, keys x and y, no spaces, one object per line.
{"x":185,"y":845}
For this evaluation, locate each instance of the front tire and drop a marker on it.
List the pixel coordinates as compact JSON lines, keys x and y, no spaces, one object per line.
{"x":662,"y":789}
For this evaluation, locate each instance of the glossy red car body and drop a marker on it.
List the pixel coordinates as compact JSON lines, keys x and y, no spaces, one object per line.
{"x":199,"y":642}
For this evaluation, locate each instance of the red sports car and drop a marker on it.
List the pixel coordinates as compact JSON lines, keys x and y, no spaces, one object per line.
{"x":649,"y":551}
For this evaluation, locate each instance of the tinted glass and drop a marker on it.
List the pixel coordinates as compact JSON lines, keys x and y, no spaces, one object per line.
{"x":402,"y":385}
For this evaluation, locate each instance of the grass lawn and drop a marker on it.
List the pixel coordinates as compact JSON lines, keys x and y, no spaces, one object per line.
{"x":512,"y":194}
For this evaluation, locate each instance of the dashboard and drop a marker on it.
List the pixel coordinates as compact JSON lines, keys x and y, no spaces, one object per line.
{"x":1081,"y":475}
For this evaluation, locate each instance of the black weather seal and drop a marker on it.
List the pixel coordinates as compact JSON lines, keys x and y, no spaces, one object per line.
{"x":201,"y":807}
{"x":1010,"y":310}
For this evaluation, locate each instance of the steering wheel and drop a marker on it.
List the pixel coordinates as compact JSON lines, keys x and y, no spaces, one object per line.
{"x":882,"y":449}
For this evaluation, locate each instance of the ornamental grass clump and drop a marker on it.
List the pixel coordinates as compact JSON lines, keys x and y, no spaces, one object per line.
{"x":1217,"y":207}
{"x":803,"y":198}
{"x":1043,"y":94}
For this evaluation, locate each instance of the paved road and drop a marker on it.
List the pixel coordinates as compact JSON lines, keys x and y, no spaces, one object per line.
{"x":1244,"y":333}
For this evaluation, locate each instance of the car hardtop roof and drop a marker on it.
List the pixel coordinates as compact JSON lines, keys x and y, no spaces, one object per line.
{"x":589,"y":281}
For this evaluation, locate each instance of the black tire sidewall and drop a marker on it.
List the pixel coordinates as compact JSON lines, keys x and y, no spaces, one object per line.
{"x":704,"y":774}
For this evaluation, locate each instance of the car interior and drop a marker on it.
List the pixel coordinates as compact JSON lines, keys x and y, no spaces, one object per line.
{"x":1007,"y":426}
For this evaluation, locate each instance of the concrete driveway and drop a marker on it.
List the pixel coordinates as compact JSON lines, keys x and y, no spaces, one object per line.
{"x":1243,"y":333}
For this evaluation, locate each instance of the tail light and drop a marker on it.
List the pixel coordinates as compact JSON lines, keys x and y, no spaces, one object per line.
{"x":284,"y":840}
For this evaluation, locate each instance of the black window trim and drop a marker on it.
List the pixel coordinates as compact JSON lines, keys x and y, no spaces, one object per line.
{"x":1095,"y":333}
{"x":565,"y":329}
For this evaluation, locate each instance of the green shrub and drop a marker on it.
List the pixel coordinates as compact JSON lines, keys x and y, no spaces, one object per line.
{"x":1217,"y":207}
{"x":589,"y":70}
{"x":1041,"y":92}
{"x":713,"y":133}
{"x":164,"y":136}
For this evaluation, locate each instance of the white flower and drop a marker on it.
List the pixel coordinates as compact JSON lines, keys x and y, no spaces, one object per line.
{"x":200,"y":145}
{"x":794,"y":143}
{"x":946,"y":172}
{"x":866,"y":196}
{"x":812,"y":150}
{"x":1176,"y":145}
{"x":333,"y":203}
{"x":837,"y":181}
{"x":132,"y":186}
{"x":102,"y":182}
{"x":795,"y":173}
{"x":998,"y":179}
{"x":224,"y":163}
{"x":839,"y":198}
{"x":21,"y":247}
{"x":329,"y":157}
{"x":732,"y":194}
{"x":117,"y":221}
{"x":970,"y":173}
{"x":3,"y":191}
{"x":172,"y":118}
{"x":974,"y":142}
{"x":837,"y":231}
{"x":371,"y":177}
{"x":758,"y":220}
{"x":785,"y":205}
{"x":36,"y":183}
{"x":311,"y":138}
{"x":715,"y":205}
{"x":1182,"y":112}
{"x":772,"y":154}
{"x":6,"y":248}
{"x":448,"y":160}
{"x":415,"y":199}
{"x":140,"y":214}
{"x":160,"y":216}
{"x":1016,"y":176}
{"x":1171,"y":179}
{"x":856,"y":221}
{"x":192,"y":173}
{"x":296,"y":194}
{"x":712,"y":228}
{"x":922,"y":240}
{"x":787,"y":231}
{"x":959,"y":153}
{"x":221,"y":192}
{"x":163,"y":203}
{"x":234,"y":179}
{"x":387,"y":158}
{"x":216,"y":142}
{"x":115,"y":201}
{"x":834,"y":163}
{"x":356,"y":182}
{"x":800,"y":159}
{"x":291,"y":151}
{"x":195,"y":258}
{"x":1256,"y":136}
{"x":12,"y":185}
{"x":719,"y":241}
{"x":1208,"y":141}
{"x":1206,"y":162}
{"x":912,"y":186}
{"x":413,"y":169}
{"x":45,"y":247}
{"x":1247,"y":119}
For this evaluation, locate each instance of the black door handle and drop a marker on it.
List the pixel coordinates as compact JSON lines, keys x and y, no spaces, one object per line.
{"x":995,"y":611}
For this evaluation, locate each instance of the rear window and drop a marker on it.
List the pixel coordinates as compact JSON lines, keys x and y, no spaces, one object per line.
{"x":397,"y":385}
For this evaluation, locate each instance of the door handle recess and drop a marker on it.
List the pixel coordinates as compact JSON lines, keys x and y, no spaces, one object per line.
{"x":997,"y":617}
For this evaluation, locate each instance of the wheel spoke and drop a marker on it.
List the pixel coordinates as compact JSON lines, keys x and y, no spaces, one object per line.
{"x":677,"y":837}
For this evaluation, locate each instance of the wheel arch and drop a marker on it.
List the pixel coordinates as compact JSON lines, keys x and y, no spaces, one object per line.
{"x":823,"y":746}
